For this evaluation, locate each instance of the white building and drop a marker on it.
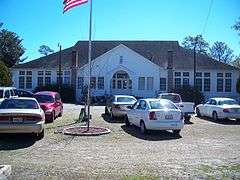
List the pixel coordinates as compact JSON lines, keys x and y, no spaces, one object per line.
{"x":140,"y":68}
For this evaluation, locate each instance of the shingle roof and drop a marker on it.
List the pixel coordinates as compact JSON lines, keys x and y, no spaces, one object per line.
{"x":155,"y":51}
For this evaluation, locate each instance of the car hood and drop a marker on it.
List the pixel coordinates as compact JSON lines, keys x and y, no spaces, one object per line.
{"x":20,"y":111}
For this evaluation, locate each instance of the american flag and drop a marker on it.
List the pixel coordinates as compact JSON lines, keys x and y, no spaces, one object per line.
{"x":68,"y":4}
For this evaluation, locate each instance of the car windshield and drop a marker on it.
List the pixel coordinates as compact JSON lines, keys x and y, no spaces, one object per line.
{"x":44,"y":98}
{"x":171,"y":97}
{"x":19,"y":104}
{"x":125,"y":99}
{"x":162,"y":105}
{"x":228,"y":102}
{"x":1,"y":93}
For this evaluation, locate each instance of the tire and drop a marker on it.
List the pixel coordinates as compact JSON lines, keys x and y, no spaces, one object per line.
{"x":106,"y":111}
{"x":143,"y":129}
{"x":61,"y":113}
{"x":187,"y":118}
{"x":52,"y":118}
{"x":198,"y":113}
{"x":112,"y":116}
{"x":40,"y":135}
{"x":214,"y":116}
{"x":177,"y":132}
{"x":127,"y":123}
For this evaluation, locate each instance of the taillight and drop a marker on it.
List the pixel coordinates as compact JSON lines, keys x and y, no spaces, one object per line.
{"x":152,"y":116}
{"x":226,"y":110}
{"x":33,"y":118}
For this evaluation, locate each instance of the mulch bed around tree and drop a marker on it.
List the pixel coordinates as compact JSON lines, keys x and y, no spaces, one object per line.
{"x":83,"y":131}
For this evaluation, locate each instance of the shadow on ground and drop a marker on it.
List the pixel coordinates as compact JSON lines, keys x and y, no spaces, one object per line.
{"x":221,"y":121}
{"x":16,"y":141}
{"x":108,"y":119}
{"x":151,"y":135}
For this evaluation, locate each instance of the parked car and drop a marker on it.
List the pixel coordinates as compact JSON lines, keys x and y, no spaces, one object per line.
{"x":7,"y":92}
{"x":187,"y":108}
{"x":155,"y":114}
{"x":23,"y":93}
{"x":117,"y":105}
{"x":51,"y":104}
{"x":22,"y":115}
{"x":219,"y":108}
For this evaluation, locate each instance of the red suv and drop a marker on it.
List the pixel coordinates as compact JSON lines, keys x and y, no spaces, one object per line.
{"x":51,"y":104}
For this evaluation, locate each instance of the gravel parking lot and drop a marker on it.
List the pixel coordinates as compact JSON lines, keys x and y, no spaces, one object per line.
{"x":206,"y":149}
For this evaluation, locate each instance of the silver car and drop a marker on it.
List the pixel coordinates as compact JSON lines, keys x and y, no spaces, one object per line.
{"x":117,"y":105}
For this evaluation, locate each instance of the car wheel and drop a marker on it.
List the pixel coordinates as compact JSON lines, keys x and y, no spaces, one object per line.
{"x":198,"y":113}
{"x":112,"y":116}
{"x":143,"y":128}
{"x":215,"y":116}
{"x":40,"y":135}
{"x":106,"y":111}
{"x":177,"y":132}
{"x":127,"y":123}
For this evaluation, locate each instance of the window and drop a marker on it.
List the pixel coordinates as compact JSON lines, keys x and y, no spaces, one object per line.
{"x":58,"y":80}
{"x":29,"y":73}
{"x":47,"y":80}
{"x":130,"y":84}
{"x":228,"y":75}
{"x":21,"y":82}
{"x":198,"y":74}
{"x":177,"y":82}
{"x":93,"y":83}
{"x":185,"y":81}
{"x":40,"y":73}
{"x":48,"y":73}
{"x":119,"y":84}
{"x":199,"y":84}
{"x":149,"y":83}
{"x":228,"y":85}
{"x":66,"y":80}
{"x":207,"y":74}
{"x":207,"y":84}
{"x":7,"y":94}
{"x":100,"y":82}
{"x":21,"y":72}
{"x":142,"y":105}
{"x":163,"y":84}
{"x":219,"y":85}
{"x":114,"y":84}
{"x":29,"y":82}
{"x":177,"y":74}
{"x":185,"y":74}
{"x":219,"y":74}
{"x":80,"y":82}
{"x":141,"y":83}
{"x":67,"y":73}
{"x":40,"y":81}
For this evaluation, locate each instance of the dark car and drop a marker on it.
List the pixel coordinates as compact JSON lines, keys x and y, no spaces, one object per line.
{"x":22,"y":93}
{"x":51,"y":104}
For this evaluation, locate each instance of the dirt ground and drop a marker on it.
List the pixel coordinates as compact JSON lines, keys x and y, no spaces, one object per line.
{"x":205,"y":149}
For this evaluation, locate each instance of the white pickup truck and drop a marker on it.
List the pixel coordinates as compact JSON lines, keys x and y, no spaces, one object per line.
{"x":187,"y":108}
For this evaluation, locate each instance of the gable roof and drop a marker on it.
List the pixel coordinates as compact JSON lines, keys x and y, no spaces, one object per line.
{"x":155,"y":51}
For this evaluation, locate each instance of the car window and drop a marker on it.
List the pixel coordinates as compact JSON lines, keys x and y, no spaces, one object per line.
{"x":19,"y":104}
{"x":1,"y":93}
{"x":136,"y":105}
{"x":44,"y":98}
{"x":125,"y":99}
{"x":213,"y":102}
{"x":228,"y":102}
{"x":12,"y":93}
{"x":142,"y":105}
{"x":162,"y":104}
{"x":172,"y":97}
{"x":57,"y":97}
{"x":7,"y":94}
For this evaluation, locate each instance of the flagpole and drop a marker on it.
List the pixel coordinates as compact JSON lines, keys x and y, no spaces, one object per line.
{"x":89,"y":64}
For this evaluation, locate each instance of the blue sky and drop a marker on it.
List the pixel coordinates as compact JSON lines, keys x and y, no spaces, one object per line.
{"x":40,"y":22}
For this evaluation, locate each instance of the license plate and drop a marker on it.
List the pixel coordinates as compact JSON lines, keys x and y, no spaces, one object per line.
{"x":17,"y":120}
{"x":169,"y":117}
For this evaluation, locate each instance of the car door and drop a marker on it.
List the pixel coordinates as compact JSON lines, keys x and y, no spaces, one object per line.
{"x":140,"y":110}
{"x":132,"y":113}
{"x":205,"y":108}
{"x":212,"y":107}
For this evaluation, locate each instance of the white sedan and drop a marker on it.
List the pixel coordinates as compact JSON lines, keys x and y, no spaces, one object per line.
{"x":155,"y":114}
{"x":219,"y":108}
{"x":22,"y":115}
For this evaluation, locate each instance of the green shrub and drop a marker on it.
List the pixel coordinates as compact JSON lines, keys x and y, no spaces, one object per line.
{"x":66,"y":91}
{"x":190,"y":94}
{"x":5,"y":77}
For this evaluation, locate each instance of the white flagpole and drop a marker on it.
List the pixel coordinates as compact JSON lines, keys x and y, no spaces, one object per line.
{"x":89,"y":64}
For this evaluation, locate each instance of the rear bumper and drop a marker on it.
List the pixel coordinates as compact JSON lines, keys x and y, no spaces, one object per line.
{"x":230,"y":115}
{"x":22,"y":128}
{"x":160,"y":125}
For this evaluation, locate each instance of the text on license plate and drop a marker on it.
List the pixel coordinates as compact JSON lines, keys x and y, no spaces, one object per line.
{"x":17,"y":120}
{"x":168,"y":116}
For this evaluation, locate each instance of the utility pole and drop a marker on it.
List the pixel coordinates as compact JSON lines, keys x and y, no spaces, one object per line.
{"x":60,"y":68}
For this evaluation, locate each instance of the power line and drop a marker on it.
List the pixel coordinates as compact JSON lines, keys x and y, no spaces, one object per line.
{"x":207,"y":18}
